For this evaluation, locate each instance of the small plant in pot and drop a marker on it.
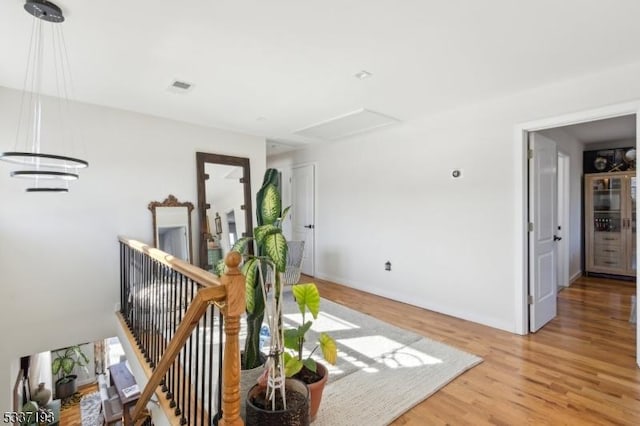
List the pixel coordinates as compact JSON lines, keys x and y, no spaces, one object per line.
{"x":64,"y":362}
{"x":307,"y":370}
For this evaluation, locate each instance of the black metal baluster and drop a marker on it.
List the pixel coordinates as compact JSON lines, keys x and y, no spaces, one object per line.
{"x":163,"y":320}
{"x":190,"y":357}
{"x":212,"y":316}
{"x":220,"y":351}
{"x":121,"y":275}
{"x":196,"y":396}
{"x":175,"y":306}
{"x":139,"y":300}
{"x":181,"y":408}
{"x":147,"y":317}
{"x":156,"y":313}
{"x":147,"y":302}
{"x":208,"y":337}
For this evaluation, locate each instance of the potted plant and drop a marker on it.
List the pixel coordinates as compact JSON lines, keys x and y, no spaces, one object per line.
{"x":307,"y":370}
{"x":64,"y":362}
{"x":275,"y":400}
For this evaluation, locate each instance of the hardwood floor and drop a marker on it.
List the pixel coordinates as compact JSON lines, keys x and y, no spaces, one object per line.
{"x":70,"y":416}
{"x":579,"y":369}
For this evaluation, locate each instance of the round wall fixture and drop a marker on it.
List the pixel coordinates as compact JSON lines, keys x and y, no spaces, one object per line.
{"x":456,"y":173}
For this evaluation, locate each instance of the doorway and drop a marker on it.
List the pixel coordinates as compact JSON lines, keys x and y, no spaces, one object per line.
{"x":303,"y":213}
{"x":523,"y":303}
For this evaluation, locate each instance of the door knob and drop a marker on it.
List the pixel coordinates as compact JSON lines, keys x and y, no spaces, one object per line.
{"x":309,"y":226}
{"x":556,"y":238}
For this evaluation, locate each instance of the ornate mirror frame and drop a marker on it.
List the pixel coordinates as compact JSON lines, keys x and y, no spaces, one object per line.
{"x":172,"y":201}
{"x":202,"y":158}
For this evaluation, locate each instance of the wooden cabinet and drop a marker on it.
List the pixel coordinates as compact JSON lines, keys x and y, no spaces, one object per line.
{"x":610,"y":223}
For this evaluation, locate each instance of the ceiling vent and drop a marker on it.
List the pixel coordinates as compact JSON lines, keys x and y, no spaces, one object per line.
{"x":349,"y":124}
{"x":180,"y":86}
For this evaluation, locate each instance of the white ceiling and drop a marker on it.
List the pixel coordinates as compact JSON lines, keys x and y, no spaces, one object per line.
{"x":607,"y":130}
{"x":271,"y":67}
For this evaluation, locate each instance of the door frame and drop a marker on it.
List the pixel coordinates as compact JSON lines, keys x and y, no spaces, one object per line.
{"x":521,"y":183}
{"x":564,"y":205}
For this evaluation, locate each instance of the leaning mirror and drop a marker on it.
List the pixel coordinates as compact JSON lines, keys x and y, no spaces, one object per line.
{"x":172,"y":227}
{"x":224,"y":205}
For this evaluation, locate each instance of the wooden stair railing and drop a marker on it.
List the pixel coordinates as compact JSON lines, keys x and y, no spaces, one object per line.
{"x":227,"y":293}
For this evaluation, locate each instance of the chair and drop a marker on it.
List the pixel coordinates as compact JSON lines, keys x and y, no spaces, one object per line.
{"x":291,"y":275}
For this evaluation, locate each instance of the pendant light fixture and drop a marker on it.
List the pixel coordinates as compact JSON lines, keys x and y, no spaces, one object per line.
{"x":48,"y":172}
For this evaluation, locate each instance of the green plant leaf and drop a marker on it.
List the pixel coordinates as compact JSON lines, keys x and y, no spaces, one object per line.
{"x":311,"y":364}
{"x":262,"y":231}
{"x":270,"y":178}
{"x":241,"y":245}
{"x":271,"y":205}
{"x":250,"y":272}
{"x":307,"y":296}
{"x":56,"y":365}
{"x":276,"y":248}
{"x":284,"y":213}
{"x":291,"y":365}
{"x":302,"y":330}
{"x":291,"y":336}
{"x":67,"y":365}
{"x":329,"y":348}
{"x":219,"y":268}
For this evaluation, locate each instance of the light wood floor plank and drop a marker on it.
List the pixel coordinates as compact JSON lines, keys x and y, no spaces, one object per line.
{"x":579,"y":369}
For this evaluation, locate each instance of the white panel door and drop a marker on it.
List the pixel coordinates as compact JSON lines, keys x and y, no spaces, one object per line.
{"x":542,"y":239}
{"x":303,"y":213}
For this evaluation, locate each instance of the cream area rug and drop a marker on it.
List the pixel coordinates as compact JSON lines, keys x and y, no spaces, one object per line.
{"x":382,"y":370}
{"x":90,"y":406}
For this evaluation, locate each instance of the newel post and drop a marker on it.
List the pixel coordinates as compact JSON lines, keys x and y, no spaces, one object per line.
{"x":233,"y":280}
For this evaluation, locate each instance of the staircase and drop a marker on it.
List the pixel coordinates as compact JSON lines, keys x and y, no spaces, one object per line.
{"x":183,"y":323}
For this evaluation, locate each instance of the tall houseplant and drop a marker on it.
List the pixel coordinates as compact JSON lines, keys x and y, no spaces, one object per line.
{"x":272,"y":246}
{"x":64,"y":362}
{"x":268,"y":404}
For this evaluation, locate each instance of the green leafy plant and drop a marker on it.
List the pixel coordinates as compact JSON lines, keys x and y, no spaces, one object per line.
{"x":272,"y":255}
{"x":66,"y":360}
{"x":307,"y":297}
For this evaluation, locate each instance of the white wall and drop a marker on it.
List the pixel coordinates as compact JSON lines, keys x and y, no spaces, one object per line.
{"x":59,"y":279}
{"x":569,"y":145}
{"x":455,"y":244}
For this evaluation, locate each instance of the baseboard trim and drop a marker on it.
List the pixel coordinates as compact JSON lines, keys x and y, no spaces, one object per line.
{"x":574,"y":277}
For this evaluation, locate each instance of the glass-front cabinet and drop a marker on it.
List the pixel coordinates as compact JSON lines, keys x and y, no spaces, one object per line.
{"x":610,"y":225}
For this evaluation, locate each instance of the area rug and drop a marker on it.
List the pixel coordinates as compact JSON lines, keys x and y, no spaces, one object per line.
{"x":382,"y":370}
{"x":90,"y":406}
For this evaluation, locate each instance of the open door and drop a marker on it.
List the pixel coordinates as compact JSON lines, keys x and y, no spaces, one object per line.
{"x":303,"y":213}
{"x":543,"y":176}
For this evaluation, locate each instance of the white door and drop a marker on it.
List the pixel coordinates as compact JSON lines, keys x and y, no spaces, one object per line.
{"x":542,"y":218}
{"x":303,"y":213}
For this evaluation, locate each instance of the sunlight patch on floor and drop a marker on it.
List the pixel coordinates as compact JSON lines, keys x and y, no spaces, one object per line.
{"x":324,"y":323}
{"x":389,"y":352}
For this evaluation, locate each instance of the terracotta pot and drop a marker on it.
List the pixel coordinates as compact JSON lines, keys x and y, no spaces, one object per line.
{"x":316,"y":388}
{"x":294,"y":415}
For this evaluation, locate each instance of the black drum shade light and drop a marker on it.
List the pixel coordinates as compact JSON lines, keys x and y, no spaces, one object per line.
{"x":47,"y":172}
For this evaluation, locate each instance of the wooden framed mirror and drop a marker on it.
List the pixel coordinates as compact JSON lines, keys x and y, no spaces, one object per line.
{"x":172,"y":227}
{"x":224,"y":205}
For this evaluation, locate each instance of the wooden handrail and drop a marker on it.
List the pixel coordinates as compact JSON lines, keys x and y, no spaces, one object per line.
{"x":228,"y":294}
